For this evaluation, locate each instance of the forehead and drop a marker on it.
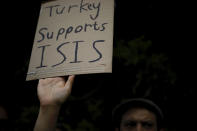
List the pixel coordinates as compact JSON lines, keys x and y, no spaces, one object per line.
{"x":138,"y":114}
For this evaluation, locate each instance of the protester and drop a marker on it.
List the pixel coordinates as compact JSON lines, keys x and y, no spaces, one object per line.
{"x":137,"y":115}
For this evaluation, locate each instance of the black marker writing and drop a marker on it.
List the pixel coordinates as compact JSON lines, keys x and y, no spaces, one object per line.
{"x":42,"y":56}
{"x":86,"y":26}
{"x":76,"y":51}
{"x":97,"y":12}
{"x":82,"y":6}
{"x":42,"y":35}
{"x":49,"y":35}
{"x":90,"y":6}
{"x":97,"y":51}
{"x":96,"y":26}
{"x":69,"y":30}
{"x":60,"y":32}
{"x":103,"y":26}
{"x":60,"y":11}
{"x":64,"y":32}
{"x":64,"y":57}
{"x":78,"y":29}
{"x":51,"y":9}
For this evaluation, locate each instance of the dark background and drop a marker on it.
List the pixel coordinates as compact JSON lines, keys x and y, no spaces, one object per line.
{"x":167,"y":66}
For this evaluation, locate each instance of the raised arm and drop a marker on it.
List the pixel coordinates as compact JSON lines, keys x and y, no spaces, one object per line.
{"x":52,"y":93}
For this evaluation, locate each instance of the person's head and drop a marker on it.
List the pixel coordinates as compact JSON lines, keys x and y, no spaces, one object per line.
{"x":137,"y":115}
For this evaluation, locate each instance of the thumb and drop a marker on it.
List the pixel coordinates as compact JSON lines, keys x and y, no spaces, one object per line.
{"x":71,"y":79}
{"x":69,"y":83}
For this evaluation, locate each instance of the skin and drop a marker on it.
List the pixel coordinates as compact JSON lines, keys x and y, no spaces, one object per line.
{"x":138,"y":119}
{"x":52,"y":93}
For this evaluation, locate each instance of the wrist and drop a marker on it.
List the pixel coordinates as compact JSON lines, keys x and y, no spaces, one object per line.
{"x":50,"y":104}
{"x":49,"y":107}
{"x":49,"y":111}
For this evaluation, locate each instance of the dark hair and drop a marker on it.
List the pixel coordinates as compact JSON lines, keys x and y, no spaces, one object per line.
{"x":136,"y":103}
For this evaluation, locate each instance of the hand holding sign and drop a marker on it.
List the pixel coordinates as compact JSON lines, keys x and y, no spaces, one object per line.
{"x":73,"y":37}
{"x":54,"y":91}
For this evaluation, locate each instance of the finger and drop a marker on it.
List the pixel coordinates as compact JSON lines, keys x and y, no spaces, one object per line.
{"x":69,"y":83}
{"x":71,"y":79}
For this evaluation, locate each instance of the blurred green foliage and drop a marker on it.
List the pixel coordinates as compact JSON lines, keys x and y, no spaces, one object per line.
{"x":149,"y":70}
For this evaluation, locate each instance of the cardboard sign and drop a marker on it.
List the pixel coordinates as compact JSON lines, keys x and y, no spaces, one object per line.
{"x":72,"y":37}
